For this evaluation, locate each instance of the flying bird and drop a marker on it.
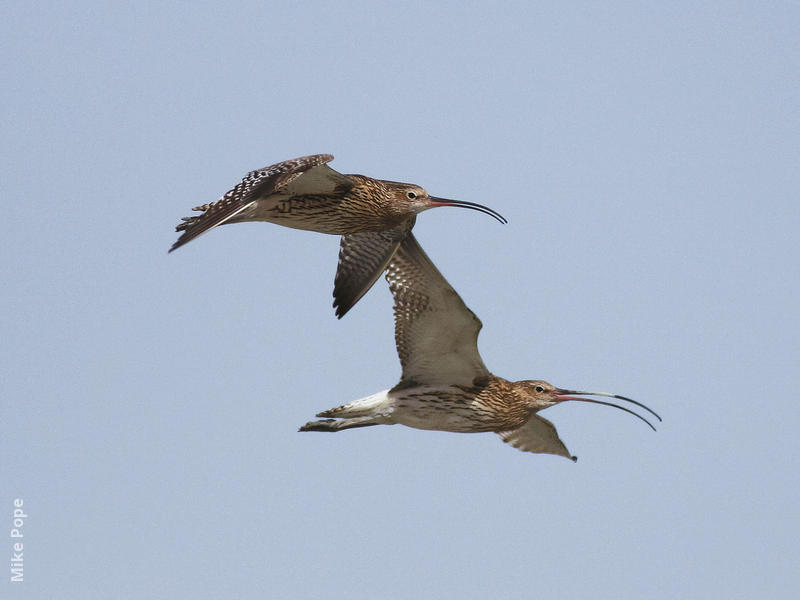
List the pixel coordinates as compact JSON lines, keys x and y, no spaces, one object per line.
{"x":445,"y":386}
{"x":372,"y":215}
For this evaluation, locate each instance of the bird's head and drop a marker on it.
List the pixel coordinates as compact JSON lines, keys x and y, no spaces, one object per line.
{"x":412,"y":198}
{"x":541,"y":395}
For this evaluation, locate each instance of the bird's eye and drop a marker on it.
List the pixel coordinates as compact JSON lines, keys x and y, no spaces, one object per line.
{"x":411,"y":195}
{"x":539,"y":389}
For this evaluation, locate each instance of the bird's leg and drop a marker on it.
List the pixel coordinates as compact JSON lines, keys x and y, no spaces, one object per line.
{"x":333,"y":425}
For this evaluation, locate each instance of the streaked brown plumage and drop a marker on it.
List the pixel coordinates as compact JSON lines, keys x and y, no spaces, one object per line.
{"x":445,"y":386}
{"x":371,"y":215}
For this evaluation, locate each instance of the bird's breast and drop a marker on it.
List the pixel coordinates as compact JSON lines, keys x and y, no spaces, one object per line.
{"x":453,"y":409}
{"x":336,"y":214}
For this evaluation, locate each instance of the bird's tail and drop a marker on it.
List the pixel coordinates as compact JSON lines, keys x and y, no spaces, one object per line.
{"x":332,"y":425}
{"x":373,"y":405}
{"x":186,"y":223}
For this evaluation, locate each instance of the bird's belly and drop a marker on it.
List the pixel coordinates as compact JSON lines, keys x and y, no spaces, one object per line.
{"x":435,"y":421}
{"x":316,"y":213}
{"x":448,"y":409}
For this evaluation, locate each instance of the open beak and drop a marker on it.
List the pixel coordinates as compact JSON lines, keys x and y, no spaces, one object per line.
{"x":471,"y":205}
{"x":567,"y":395}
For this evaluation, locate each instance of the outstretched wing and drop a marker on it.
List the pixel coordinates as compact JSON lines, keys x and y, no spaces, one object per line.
{"x":537,"y":435}
{"x":436,"y":334}
{"x":363,"y":257}
{"x":256,"y":184}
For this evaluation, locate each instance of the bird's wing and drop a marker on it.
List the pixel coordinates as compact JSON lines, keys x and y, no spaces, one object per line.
{"x":436,"y":334}
{"x":320,"y":179}
{"x":537,"y":435}
{"x":363,"y":257}
{"x":258,"y":184}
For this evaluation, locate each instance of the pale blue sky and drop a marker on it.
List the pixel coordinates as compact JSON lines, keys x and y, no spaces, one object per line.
{"x":646,"y":156}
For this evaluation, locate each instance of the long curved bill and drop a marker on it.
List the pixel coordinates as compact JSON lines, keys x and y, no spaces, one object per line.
{"x":471,"y":205}
{"x":566,"y":395}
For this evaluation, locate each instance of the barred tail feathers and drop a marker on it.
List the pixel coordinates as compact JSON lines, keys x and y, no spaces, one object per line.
{"x":376,"y":404}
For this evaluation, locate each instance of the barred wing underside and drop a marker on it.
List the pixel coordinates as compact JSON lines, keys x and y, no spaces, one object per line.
{"x":537,"y":435}
{"x":436,"y":334}
{"x":362,"y":258}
